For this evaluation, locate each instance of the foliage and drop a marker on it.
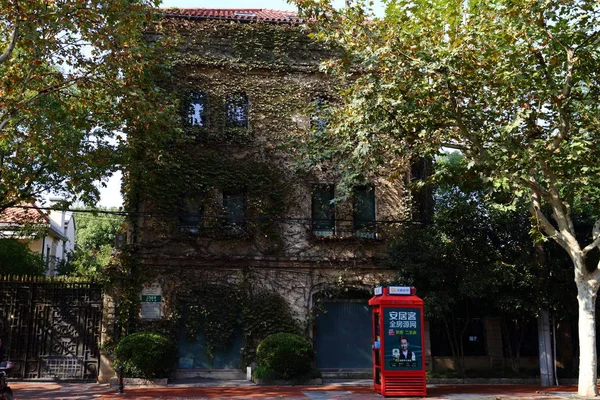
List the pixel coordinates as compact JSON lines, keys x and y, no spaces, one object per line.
{"x":212,"y":157}
{"x":94,"y":241}
{"x":264,"y":313}
{"x":213,"y":310}
{"x":480,"y":252}
{"x":512,"y":84}
{"x":95,"y":230}
{"x":17,"y":259}
{"x":123,"y":281}
{"x":75,"y":79}
{"x":264,"y":374}
{"x":146,"y":355}
{"x":285,"y":356}
{"x":471,"y":260}
{"x":182,"y":175}
{"x":218,"y":310}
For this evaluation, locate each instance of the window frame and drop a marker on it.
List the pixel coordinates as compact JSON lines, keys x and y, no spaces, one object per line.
{"x":318,"y":231}
{"x":236,"y":224}
{"x":197,"y":97}
{"x":184,"y":215}
{"x":364,"y":228}
{"x":232,"y":109}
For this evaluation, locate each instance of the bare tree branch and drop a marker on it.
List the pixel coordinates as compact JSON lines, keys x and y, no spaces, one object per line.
{"x":594,"y":38}
{"x":11,"y":45}
{"x":596,"y":239}
{"x":560,"y":207}
{"x":562,"y":102}
{"x":545,"y":225}
{"x":455,"y":146}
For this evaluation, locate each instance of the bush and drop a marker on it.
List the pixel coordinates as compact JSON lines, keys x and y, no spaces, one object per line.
{"x":146,"y":355}
{"x":17,"y":259}
{"x":284,"y":356}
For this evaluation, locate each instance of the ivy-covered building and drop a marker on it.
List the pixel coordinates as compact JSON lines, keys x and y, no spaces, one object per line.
{"x":236,"y":239}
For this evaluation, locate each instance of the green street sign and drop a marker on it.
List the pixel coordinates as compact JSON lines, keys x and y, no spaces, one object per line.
{"x":151,"y":299}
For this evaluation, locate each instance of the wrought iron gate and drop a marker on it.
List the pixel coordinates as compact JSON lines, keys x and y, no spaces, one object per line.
{"x":51,"y":328}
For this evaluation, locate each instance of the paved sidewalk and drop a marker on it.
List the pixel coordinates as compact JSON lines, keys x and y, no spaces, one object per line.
{"x":333,"y":391}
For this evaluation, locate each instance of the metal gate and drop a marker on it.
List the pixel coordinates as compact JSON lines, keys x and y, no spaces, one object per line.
{"x":51,"y":327}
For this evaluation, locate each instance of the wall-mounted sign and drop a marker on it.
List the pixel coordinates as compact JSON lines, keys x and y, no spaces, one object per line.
{"x":151,"y":301}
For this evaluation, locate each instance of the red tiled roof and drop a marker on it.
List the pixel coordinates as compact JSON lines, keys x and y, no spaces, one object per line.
{"x":23,"y":214}
{"x":237,"y":14}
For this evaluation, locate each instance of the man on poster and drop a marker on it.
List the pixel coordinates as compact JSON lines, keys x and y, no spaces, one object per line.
{"x":405,"y":354}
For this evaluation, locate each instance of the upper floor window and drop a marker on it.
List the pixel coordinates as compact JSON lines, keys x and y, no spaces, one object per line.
{"x":236,"y":111}
{"x":197,"y":108}
{"x":191,"y":214}
{"x":319,"y":119}
{"x":234,"y":202}
{"x":363,"y":203}
{"x":323,"y":210}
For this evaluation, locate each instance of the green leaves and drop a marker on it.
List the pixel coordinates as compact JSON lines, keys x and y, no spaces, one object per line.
{"x":17,"y":259}
{"x":509,"y":83}
{"x":78,"y":75}
{"x":95,"y":241}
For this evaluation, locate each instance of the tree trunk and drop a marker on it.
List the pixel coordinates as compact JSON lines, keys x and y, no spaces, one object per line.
{"x":545,"y":349}
{"x":545,"y":354}
{"x":586,"y":296}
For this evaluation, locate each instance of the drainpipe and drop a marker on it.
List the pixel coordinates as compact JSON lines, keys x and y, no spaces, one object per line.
{"x":43,"y":250}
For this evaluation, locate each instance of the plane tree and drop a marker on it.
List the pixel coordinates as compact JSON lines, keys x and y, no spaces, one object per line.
{"x":76,"y":77}
{"x":512,"y":84}
{"x":473,"y":260}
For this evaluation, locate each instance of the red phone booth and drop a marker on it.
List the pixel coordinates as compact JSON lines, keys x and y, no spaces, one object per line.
{"x":398,"y":342}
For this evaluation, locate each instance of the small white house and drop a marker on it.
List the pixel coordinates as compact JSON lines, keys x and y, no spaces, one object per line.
{"x":50,"y":233}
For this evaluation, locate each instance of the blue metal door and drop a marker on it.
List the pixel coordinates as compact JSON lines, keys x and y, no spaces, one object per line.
{"x":343,"y":335}
{"x":193,"y":354}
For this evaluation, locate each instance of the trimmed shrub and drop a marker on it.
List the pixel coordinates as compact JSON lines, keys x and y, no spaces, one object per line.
{"x":285,"y":356}
{"x":146,"y":355}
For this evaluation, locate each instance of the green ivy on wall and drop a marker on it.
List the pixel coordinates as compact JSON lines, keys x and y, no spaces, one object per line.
{"x":276,"y":67}
{"x":218,"y":310}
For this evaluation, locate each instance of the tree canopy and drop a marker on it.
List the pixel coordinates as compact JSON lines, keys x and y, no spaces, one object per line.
{"x":94,"y":242}
{"x":75,"y":79}
{"x":474,"y":260}
{"x":513,"y":84}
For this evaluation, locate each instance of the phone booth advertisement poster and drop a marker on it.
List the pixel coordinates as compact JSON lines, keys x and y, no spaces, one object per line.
{"x":402,"y":346}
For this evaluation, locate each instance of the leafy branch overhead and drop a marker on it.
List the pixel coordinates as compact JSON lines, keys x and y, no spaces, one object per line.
{"x":75,"y":79}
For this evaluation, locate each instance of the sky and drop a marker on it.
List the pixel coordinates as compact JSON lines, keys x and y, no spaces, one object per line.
{"x":111,"y":195}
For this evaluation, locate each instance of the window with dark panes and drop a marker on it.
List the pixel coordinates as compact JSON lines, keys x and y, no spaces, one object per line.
{"x":323,"y":210}
{"x":197,"y":109}
{"x":234,"y":202}
{"x":236,"y":111}
{"x":191,"y":213}
{"x":364,"y":212}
